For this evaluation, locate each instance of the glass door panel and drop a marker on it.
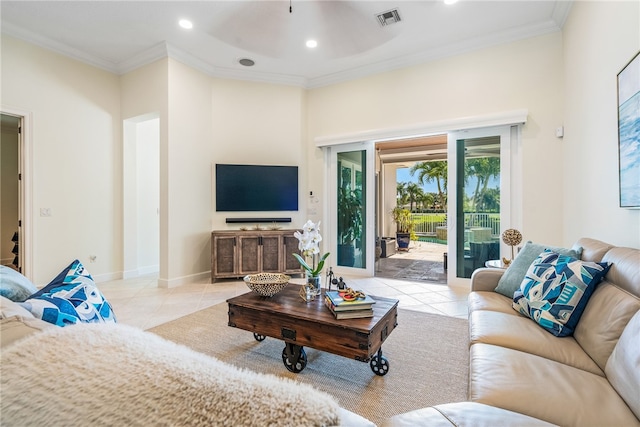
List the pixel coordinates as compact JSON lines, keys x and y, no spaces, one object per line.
{"x":480,"y":197}
{"x":351,"y":208}
{"x":477,"y":203}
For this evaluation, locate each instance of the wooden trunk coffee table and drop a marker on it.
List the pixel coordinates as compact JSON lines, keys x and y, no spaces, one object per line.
{"x":287,"y":317}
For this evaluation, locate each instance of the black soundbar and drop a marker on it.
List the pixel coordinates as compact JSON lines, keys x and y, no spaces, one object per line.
{"x":255,"y":220}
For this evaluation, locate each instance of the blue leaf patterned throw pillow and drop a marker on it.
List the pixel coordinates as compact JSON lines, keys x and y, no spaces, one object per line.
{"x":70,"y":298}
{"x":556,"y":290}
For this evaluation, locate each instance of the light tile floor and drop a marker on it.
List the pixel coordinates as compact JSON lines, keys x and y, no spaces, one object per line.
{"x":139,"y":302}
{"x":423,"y":251}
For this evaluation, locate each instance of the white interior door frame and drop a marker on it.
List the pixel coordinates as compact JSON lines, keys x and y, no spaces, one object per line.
{"x":131,"y":244}
{"x":25,"y":213}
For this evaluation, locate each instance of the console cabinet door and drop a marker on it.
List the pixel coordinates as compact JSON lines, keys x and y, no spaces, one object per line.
{"x":271,"y":253}
{"x":249,"y":254}
{"x":290,"y":263}
{"x":223,"y":256}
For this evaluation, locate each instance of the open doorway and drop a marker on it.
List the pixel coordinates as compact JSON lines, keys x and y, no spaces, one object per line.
{"x":141,"y":177}
{"x":382,"y":189}
{"x":413,"y":192}
{"x":10,"y":213}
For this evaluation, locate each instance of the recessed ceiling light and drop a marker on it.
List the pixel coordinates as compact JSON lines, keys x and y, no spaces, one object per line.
{"x":186,"y":24}
{"x":247,"y":62}
{"x":450,"y":1}
{"x":311,"y":44}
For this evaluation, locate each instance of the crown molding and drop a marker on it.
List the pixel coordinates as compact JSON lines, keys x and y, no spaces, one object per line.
{"x":60,"y":48}
{"x":441,"y":52}
{"x":260,"y":77}
{"x":228,"y":73}
{"x":153,"y":54}
{"x":561,"y":12}
{"x":163,"y":50}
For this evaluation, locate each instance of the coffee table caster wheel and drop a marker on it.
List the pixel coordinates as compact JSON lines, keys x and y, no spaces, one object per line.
{"x":294,"y":358}
{"x":379,"y":365}
{"x":258,"y":337}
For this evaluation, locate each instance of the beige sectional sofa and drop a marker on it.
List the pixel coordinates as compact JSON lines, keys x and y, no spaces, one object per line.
{"x":521,"y":374}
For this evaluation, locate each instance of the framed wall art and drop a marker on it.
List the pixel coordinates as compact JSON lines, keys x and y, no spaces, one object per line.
{"x":629,"y":133}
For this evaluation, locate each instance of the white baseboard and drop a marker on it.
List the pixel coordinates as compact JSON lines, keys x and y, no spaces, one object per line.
{"x":142,"y":271}
{"x":129,"y":274}
{"x":193,"y":278}
{"x":162,"y":283}
{"x":150,"y":269}
{"x":107,"y":277}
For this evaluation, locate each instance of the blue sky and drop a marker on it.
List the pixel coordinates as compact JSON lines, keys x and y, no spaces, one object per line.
{"x":403,"y":175}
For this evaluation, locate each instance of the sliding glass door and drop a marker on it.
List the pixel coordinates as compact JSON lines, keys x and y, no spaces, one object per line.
{"x":351,"y":196}
{"x":480,"y":206}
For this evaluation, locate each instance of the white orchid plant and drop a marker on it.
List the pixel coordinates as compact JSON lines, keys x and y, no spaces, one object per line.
{"x":309,"y":245}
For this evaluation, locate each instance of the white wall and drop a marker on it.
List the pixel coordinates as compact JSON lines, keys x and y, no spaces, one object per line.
{"x":187,"y":175}
{"x":76,"y":157}
{"x":526,"y":74}
{"x":599,"y":39}
{"x":258,"y":123}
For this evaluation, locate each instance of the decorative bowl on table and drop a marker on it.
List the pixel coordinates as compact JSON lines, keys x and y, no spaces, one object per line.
{"x":267,"y":284}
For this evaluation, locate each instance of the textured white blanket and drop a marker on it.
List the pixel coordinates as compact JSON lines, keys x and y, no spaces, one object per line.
{"x":116,"y":375}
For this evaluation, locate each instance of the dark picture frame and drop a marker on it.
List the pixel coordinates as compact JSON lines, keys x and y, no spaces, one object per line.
{"x":629,"y":133}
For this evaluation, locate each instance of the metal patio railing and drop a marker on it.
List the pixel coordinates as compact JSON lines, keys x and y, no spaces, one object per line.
{"x":429,"y":224}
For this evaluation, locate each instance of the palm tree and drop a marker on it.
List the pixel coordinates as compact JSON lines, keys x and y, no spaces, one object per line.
{"x":483,"y":168}
{"x":433,"y":171}
{"x":414,"y":192}
{"x":489,"y":200}
{"x":402,"y":196}
{"x":426,"y":201}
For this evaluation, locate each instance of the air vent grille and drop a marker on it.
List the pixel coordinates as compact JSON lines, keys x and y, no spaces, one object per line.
{"x":389,"y":17}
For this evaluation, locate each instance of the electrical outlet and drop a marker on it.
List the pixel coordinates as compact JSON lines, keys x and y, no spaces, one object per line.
{"x":45,"y":211}
{"x":92,"y":258}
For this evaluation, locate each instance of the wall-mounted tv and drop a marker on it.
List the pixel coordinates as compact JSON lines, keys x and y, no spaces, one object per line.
{"x":243,"y":188}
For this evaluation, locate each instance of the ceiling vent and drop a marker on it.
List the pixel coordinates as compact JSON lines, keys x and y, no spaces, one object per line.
{"x":389,"y":17}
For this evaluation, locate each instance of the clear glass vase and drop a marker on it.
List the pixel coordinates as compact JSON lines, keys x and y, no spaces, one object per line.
{"x":315,"y":283}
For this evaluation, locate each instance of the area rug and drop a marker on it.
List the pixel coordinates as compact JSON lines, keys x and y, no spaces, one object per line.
{"x":428,"y":361}
{"x":412,"y":269}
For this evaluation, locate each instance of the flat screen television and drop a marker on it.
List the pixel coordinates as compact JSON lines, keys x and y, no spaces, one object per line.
{"x":244,"y":188}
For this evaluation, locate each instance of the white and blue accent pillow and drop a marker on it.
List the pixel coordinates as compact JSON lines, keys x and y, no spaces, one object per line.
{"x":14,"y":285}
{"x":514,"y":275}
{"x":556,"y":290}
{"x":70,"y":298}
